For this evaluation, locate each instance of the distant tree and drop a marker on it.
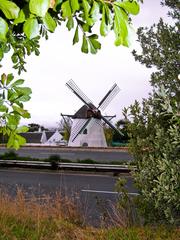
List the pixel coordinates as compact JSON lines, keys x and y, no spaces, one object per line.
{"x":109,"y":132}
{"x":35,"y":127}
{"x":24,"y":23}
{"x":64,"y":126}
{"x":160,"y":50}
{"x":122,"y":125}
{"x":155,"y":124}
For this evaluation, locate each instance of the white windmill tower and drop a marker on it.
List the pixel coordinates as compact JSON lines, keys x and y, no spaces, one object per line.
{"x":87,"y":128}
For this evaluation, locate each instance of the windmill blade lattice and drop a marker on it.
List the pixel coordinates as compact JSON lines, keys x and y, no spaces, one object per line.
{"x":80,"y":128}
{"x":109,"y":96}
{"x":101,"y":123}
{"x":77,"y":127}
{"x":77,"y":91}
{"x":112,"y":126}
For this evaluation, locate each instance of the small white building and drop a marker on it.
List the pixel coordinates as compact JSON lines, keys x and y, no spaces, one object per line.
{"x":53,"y":138}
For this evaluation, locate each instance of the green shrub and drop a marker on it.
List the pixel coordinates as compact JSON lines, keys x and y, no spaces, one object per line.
{"x":11,"y":155}
{"x":89,"y":161}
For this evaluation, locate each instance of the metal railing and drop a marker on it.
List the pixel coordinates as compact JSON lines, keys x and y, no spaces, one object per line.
{"x":70,"y":166}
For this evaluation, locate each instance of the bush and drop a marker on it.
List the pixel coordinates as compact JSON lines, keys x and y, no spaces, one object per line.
{"x":11,"y":155}
{"x":54,"y":160}
{"x":88,"y":161}
{"x":155,"y":145}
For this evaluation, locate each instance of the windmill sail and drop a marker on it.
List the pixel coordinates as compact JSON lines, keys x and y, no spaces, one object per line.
{"x":109,"y":96}
{"x":80,"y":129}
{"x":77,"y":91}
{"x":112,"y":126}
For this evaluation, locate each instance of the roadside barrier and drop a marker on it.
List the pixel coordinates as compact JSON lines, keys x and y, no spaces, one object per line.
{"x":68,"y":166}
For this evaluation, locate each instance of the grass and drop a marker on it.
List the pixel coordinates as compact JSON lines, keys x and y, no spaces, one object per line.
{"x":23,"y":218}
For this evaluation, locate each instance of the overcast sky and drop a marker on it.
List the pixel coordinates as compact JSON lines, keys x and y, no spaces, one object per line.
{"x":59,"y":61}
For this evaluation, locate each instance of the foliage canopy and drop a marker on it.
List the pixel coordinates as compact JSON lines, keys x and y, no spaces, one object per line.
{"x":155,"y":127}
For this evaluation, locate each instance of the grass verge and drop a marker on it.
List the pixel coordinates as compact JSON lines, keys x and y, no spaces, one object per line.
{"x":57,"y":218}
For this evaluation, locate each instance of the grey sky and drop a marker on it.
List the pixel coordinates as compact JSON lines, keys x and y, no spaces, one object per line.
{"x":59,"y":61}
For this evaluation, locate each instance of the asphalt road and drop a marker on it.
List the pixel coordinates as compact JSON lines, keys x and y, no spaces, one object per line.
{"x":73,"y":154}
{"x":95,"y":192}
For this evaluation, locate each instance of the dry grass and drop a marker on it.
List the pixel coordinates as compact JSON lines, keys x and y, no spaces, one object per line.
{"x":58,"y":218}
{"x":35,"y":208}
{"x":51,"y":218}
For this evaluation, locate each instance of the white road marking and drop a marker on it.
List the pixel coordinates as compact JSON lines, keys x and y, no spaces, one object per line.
{"x":106,"y":192}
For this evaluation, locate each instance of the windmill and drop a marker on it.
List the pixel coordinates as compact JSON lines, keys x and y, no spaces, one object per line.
{"x":87,"y":128}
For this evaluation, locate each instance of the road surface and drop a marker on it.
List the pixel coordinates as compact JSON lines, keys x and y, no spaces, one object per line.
{"x":91,"y":189}
{"x":73,"y":154}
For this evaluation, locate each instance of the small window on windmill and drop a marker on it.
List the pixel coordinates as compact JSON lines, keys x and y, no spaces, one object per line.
{"x":85,"y":131}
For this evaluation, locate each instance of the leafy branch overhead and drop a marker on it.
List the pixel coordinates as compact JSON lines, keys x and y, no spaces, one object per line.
{"x":23,"y":23}
{"x":12,"y":97}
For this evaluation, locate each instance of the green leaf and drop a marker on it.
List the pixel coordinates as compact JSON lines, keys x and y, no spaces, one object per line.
{"x":24,"y":98}
{"x":21,"y":140}
{"x":19,"y":94}
{"x":7,"y":48}
{"x":39,"y":7}
{"x":106,"y":21}
{"x":18,"y":82}
{"x":21,"y":17}
{"x":31,"y":28}
{"x":10,"y":77}
{"x":24,"y":90}
{"x":103,"y":26}
{"x":66,"y":10}
{"x":76,"y":36}
{"x":120,"y":26}
{"x":15,"y":141}
{"x":1,"y":54}
{"x":23,"y":94}
{"x":70,"y":23}
{"x":22,"y":129}
{"x":14,"y":58}
{"x":92,"y":48}
{"x":12,"y":96}
{"x":13,"y":121}
{"x":49,"y":22}
{"x":74,"y":5}
{"x":94,"y":44}
{"x":11,"y":141}
{"x":131,"y":6}
{"x":3,"y":29}
{"x":87,"y":8}
{"x":10,"y":9}
{"x":94,"y":13}
{"x":108,"y":15}
{"x":3,"y":108}
{"x":84,"y":47}
{"x":86,"y":27}
{"x":24,"y":113}
{"x":3,"y":79}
